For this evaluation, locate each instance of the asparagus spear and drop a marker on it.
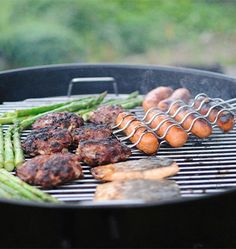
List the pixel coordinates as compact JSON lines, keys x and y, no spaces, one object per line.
{"x":12,"y":193}
{"x":82,"y":112}
{"x":133,"y":95}
{"x":119,"y":101}
{"x":125,"y":103}
{"x":128,"y":101}
{"x":39,"y":109}
{"x":8,"y":150}
{"x":133,"y":103}
{"x":24,"y":189}
{"x":74,"y":106}
{"x":7,"y":120}
{"x":6,"y":179}
{"x":19,"y":155}
{"x":1,"y":148}
{"x":13,"y":119}
{"x":5,"y":194}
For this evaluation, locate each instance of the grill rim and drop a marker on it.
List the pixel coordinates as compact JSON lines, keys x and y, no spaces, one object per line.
{"x":119,"y":204}
{"x":54,"y":79}
{"x":120,"y":65}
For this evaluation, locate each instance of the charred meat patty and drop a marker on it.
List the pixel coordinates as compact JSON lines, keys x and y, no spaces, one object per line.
{"x":90,"y":131}
{"x":66,"y":120}
{"x":103,"y":151}
{"x":50,"y":170}
{"x":106,"y":114}
{"x":47,"y":140}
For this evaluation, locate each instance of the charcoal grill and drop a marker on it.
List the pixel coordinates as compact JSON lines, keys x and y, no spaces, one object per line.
{"x":203,"y":217}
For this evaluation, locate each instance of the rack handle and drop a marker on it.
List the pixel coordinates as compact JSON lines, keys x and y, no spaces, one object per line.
{"x":92,"y":80}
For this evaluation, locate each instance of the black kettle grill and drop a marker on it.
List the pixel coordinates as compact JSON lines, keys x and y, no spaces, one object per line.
{"x":205,"y":215}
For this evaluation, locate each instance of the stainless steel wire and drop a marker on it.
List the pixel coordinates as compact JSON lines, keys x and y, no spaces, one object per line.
{"x":223,"y":106}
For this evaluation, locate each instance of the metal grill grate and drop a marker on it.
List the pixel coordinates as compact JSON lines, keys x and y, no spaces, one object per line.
{"x":206,"y":165}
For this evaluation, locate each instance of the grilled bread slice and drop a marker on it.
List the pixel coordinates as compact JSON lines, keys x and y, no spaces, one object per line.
{"x":145,"y":190}
{"x":152,"y":168}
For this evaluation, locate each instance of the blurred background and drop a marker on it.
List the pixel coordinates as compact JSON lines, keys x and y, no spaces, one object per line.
{"x":191,"y":33}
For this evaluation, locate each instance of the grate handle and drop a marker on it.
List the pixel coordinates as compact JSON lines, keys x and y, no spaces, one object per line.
{"x":92,"y":80}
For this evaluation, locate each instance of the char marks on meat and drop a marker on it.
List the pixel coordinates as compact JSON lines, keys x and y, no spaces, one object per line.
{"x":47,"y":140}
{"x":50,"y":170}
{"x":145,"y":190}
{"x":151,"y":168}
{"x":103,"y":151}
{"x":66,"y":120}
{"x":90,"y":131}
{"x":106,"y":114}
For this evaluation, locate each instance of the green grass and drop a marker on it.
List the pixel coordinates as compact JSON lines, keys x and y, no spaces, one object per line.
{"x":56,"y":31}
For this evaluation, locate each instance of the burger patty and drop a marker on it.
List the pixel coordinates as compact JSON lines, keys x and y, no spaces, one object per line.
{"x":90,"y":131}
{"x":106,"y":114}
{"x":66,"y":120}
{"x":50,"y":170}
{"x":47,"y":140}
{"x":103,"y":151}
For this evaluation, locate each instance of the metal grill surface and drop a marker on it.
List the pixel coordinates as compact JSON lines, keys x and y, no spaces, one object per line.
{"x":206,"y":165}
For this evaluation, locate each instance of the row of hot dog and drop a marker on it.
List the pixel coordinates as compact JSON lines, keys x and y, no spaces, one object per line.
{"x":170,"y":117}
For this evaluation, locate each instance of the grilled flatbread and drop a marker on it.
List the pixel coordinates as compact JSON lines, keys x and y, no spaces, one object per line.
{"x":151,"y":168}
{"x":146,"y":190}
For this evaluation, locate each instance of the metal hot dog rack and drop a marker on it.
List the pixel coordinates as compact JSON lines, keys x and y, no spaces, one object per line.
{"x":217,"y":105}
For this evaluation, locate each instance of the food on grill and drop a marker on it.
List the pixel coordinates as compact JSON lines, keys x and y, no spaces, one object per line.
{"x":66,"y":120}
{"x":82,"y":106}
{"x":190,"y":120}
{"x":50,"y":170}
{"x":11,"y":153}
{"x":13,"y":187}
{"x":156,"y":95}
{"x":103,"y":151}
{"x":176,"y":136}
{"x":146,"y":190}
{"x":41,"y":109}
{"x":145,"y":138}
{"x":150,"y":168}
{"x":18,"y":151}
{"x":131,"y":101}
{"x":74,"y":106}
{"x":91,"y":131}
{"x":106,"y":114}
{"x":179,"y":94}
{"x":47,"y":140}
{"x":224,"y":119}
{"x":8,"y":150}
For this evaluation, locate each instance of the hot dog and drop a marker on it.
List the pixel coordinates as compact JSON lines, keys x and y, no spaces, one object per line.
{"x":153,"y":98}
{"x":186,"y":116}
{"x":176,"y":136}
{"x":148,"y":143}
{"x":180,"y":93}
{"x":225,"y":119}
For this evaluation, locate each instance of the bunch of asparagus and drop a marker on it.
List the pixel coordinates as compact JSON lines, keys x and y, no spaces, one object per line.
{"x":12,"y":187}
{"x":82,"y":106}
{"x":11,"y":153}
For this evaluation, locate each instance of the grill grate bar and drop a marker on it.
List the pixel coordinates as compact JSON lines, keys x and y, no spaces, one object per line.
{"x":207,"y":165}
{"x":203,"y":177}
{"x":204,"y":187}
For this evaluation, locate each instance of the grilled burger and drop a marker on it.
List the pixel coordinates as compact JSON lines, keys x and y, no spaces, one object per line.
{"x":66,"y":120}
{"x":47,"y":140}
{"x":50,"y":170}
